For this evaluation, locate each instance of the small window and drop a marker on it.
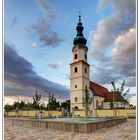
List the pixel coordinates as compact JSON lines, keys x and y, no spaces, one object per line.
{"x":85,"y":56}
{"x":76,"y":107}
{"x":75,"y":56}
{"x":76,"y":99}
{"x":76,"y":69}
{"x":75,"y":86}
{"x":85,"y":70}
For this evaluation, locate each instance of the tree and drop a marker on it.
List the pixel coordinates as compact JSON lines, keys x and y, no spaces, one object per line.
{"x":22,"y":105}
{"x":87,"y":100}
{"x":36,"y":100}
{"x":66,"y":105}
{"x":52,"y":103}
{"x":119,"y":92}
{"x":8,"y":107}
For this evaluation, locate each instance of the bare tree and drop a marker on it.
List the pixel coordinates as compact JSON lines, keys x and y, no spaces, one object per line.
{"x":87,"y":100}
{"x":119,"y":92}
{"x":36,"y":100}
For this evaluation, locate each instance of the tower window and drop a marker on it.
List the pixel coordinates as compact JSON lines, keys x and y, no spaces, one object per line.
{"x":75,"y":56}
{"x":85,"y":70}
{"x":76,"y":107}
{"x":85,"y":56}
{"x":75,"y":86}
{"x":76,"y":69}
{"x":76,"y":99}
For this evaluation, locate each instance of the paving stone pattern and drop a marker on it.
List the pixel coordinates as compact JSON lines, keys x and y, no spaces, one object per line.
{"x":125,"y":131}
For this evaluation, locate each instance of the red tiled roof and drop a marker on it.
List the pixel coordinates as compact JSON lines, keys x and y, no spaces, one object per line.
{"x":102,"y":91}
{"x":109,"y":97}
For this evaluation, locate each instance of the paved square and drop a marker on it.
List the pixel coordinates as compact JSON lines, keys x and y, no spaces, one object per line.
{"x":125,"y":131}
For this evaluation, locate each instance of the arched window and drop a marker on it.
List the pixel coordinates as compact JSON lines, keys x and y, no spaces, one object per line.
{"x":85,"y":56}
{"x":75,"y":56}
{"x":85,"y":70}
{"x":75,"y":86}
{"x":76,"y":107}
{"x":76,"y":99}
{"x":76,"y":69}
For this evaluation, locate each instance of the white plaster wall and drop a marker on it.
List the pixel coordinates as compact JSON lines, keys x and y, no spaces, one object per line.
{"x":80,"y":78}
{"x":76,"y":81}
{"x":79,"y":95}
{"x":100,"y":100}
{"x":127,"y":105}
{"x":83,"y":70}
{"x":79,"y":73}
{"x":106,"y":105}
{"x":80,"y":54}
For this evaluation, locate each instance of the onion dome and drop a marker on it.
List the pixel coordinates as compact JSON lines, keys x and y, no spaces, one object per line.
{"x":79,"y":39}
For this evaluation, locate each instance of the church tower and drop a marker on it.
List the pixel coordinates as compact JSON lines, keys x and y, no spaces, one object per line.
{"x":79,"y":69}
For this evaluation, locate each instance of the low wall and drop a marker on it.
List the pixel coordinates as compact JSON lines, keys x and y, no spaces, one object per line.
{"x":99,"y":113}
{"x":79,"y":113}
{"x":84,"y":127}
{"x":34,"y":113}
{"x":118,"y":112}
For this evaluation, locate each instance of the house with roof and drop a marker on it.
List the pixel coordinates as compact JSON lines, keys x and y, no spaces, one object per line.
{"x":80,"y":79}
{"x":104,"y":99}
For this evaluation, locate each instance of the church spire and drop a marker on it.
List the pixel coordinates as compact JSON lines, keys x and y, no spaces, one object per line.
{"x":79,"y":39}
{"x":79,"y":17}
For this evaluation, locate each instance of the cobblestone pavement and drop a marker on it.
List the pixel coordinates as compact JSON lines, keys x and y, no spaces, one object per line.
{"x":125,"y":131}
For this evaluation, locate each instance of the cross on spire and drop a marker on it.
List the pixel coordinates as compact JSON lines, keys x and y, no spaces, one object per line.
{"x":79,"y":16}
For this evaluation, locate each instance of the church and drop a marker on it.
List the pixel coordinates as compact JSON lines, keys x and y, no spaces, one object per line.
{"x":80,"y":79}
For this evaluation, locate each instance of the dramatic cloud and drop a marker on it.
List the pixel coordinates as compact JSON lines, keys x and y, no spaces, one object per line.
{"x":44,"y":33}
{"x":42,"y":29}
{"x":56,"y":65}
{"x":114,"y":43}
{"x":124,"y":54}
{"x":119,"y":22}
{"x":104,"y":75}
{"x":21,"y":79}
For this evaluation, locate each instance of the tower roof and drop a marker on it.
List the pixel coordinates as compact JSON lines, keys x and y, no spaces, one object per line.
{"x":79,"y":39}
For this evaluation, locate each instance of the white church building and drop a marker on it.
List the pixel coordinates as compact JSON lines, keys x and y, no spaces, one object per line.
{"x":80,"y":79}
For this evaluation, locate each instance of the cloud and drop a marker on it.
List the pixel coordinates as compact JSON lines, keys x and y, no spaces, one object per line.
{"x":124,"y":54}
{"x":114,"y":43}
{"x":21,"y":79}
{"x":34,"y":45}
{"x":119,"y":22}
{"x":42,"y":30}
{"x":47,"y":8}
{"x":104,"y":75}
{"x":14,"y":21}
{"x":45,"y":34}
{"x":56,"y":65}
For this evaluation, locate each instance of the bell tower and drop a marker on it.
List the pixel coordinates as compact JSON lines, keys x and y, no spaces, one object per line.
{"x":79,"y":69}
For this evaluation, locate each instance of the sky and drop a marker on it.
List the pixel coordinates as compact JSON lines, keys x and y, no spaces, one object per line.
{"x":38,"y":41}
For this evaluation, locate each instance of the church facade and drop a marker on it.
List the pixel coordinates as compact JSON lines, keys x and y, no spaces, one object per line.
{"x":80,"y":78}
